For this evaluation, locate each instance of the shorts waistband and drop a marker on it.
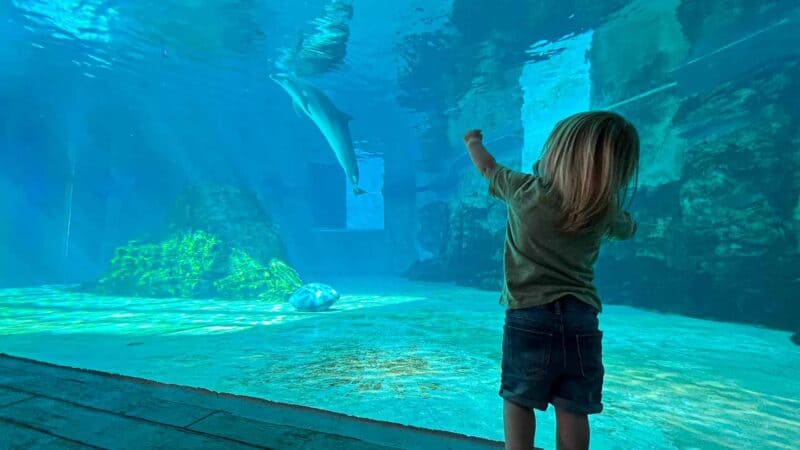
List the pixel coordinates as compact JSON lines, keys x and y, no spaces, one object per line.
{"x":568,"y":303}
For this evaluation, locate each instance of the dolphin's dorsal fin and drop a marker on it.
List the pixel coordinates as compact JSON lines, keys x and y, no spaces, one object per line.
{"x":345,"y":117}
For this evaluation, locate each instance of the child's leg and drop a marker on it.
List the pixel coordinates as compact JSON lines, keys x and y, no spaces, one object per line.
{"x":579,"y":389}
{"x":520,"y":426}
{"x":527,"y":372}
{"x":572,"y":430}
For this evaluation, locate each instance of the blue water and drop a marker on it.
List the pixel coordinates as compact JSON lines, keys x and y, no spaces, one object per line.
{"x":135,"y":133}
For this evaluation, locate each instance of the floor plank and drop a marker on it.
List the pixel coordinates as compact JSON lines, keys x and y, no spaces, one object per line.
{"x":278,"y":436}
{"x":42,"y":403}
{"x":8,"y":396}
{"x":16,"y":437}
{"x":107,"y":430}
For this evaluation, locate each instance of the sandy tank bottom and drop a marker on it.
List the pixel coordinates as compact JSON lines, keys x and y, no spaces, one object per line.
{"x":427,"y":355}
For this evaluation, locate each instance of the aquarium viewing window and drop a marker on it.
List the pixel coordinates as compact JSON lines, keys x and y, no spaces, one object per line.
{"x":336,"y":208}
{"x":327,"y":199}
{"x":274,"y":199}
{"x":547,"y":97}
{"x":365,"y":212}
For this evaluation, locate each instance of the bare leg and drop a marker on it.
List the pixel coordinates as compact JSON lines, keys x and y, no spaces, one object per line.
{"x":572,"y":431}
{"x":520,"y":426}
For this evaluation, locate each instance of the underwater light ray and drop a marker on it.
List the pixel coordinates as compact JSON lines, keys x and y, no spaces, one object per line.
{"x":70,"y":190}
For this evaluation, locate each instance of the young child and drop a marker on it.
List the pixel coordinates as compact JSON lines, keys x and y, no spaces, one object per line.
{"x":557,"y":218}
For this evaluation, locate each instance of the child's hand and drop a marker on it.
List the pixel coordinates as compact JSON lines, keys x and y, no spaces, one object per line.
{"x":473,"y":134}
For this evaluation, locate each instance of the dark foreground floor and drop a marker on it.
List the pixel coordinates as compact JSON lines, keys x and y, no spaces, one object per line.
{"x":48,"y":406}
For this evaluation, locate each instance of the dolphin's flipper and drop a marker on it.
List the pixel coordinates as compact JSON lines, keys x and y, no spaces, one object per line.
{"x":358,"y":191}
{"x":298,"y":109}
{"x":345,"y":117}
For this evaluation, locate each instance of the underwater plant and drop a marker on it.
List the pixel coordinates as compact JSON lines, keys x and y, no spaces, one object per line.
{"x":221,"y":243}
{"x":195,"y":264}
{"x":176,"y":267}
{"x":248,"y":278}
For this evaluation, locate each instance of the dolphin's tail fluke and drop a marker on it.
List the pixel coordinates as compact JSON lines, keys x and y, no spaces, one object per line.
{"x":358,"y":191}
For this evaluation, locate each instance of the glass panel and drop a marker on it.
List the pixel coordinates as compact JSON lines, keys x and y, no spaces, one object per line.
{"x":174,"y":172}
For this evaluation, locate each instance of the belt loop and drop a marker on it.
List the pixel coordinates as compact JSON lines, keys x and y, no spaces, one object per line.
{"x":557,"y":306}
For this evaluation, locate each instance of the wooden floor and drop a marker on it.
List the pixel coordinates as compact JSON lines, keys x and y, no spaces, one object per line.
{"x":54,"y":407}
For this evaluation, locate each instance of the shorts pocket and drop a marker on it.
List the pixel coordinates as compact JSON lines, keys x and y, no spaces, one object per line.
{"x":526,"y":353}
{"x":590,"y":354}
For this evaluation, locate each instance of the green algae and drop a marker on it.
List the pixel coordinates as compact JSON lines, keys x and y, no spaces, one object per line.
{"x":195,"y":264}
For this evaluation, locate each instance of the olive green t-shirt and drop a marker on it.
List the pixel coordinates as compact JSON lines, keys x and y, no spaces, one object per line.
{"x":541,"y":263}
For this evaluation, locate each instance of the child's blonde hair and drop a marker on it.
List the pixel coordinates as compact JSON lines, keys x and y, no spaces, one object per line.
{"x":589,"y":161}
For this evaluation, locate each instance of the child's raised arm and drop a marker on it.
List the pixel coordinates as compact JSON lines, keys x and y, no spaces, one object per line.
{"x":481,"y":158}
{"x":503,"y":182}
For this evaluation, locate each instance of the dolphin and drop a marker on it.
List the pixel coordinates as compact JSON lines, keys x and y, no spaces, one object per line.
{"x":333,"y":124}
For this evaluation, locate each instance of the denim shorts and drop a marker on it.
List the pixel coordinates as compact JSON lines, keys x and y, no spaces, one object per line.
{"x":553,"y":354}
